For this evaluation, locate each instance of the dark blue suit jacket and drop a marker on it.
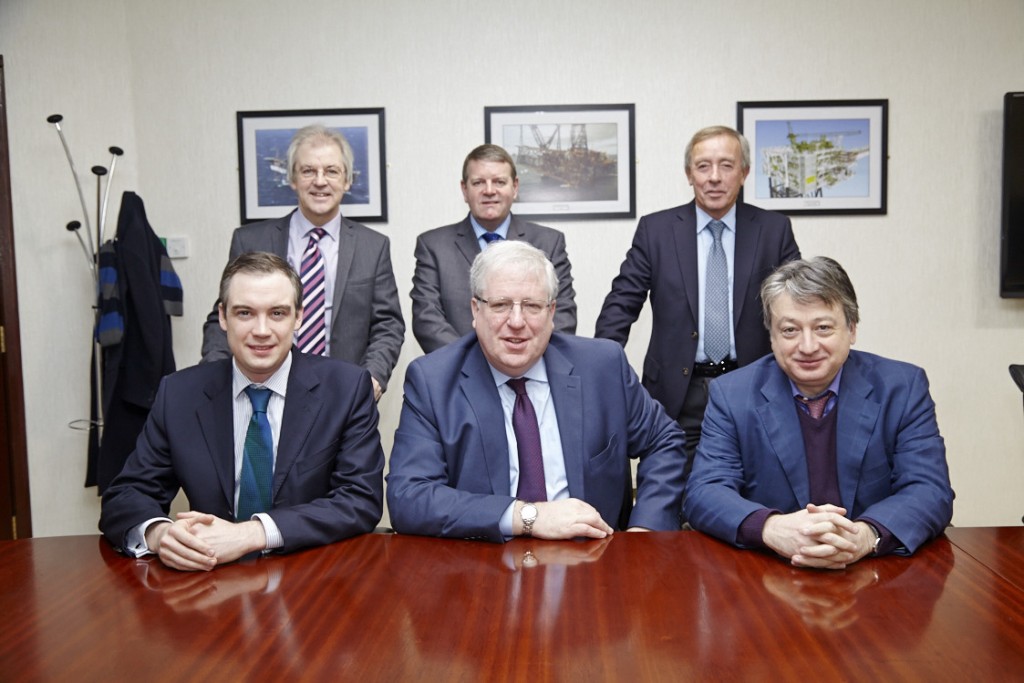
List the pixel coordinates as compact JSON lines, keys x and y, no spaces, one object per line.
{"x":891,"y":459}
{"x":663,"y":261}
{"x":449,"y":471}
{"x":327,"y":475}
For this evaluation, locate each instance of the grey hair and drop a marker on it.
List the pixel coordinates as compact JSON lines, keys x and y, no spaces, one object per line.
{"x":713,"y":132}
{"x":324,"y":135}
{"x":811,"y":280}
{"x":520,"y":257}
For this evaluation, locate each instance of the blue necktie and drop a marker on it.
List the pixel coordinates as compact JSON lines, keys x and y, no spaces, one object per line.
{"x":257,"y":458}
{"x":491,"y":237}
{"x":716,"y":299}
{"x":312,"y":335}
{"x":531,"y":460}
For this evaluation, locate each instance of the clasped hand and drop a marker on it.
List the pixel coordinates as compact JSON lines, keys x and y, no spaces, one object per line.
{"x":563,"y":519}
{"x":198,"y":541}
{"x":819,"y":536}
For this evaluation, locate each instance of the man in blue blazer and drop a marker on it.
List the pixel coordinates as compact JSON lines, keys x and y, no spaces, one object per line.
{"x":668,"y":260}
{"x":364,"y":317}
{"x":819,"y":453}
{"x":323,"y":479}
{"x":461,"y":465}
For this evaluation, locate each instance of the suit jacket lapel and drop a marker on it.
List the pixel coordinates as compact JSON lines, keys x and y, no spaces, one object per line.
{"x":685,"y":236}
{"x":856,"y":420}
{"x":346,"y":252}
{"x":216,"y":421}
{"x":477,"y":385}
{"x":301,"y":408}
{"x":279,"y":235}
{"x":466,"y":241}
{"x":782,"y":426}
{"x":748,"y":233}
{"x":567,"y":393}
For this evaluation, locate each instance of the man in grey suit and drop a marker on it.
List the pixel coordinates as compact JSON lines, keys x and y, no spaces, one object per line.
{"x":440,"y":286}
{"x":355,"y":288}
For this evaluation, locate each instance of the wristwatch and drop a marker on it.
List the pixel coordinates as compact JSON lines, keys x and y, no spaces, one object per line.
{"x":528,"y":513}
{"x":878,"y":538}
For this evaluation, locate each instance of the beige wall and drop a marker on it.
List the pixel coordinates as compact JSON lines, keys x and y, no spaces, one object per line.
{"x":164,"y":79}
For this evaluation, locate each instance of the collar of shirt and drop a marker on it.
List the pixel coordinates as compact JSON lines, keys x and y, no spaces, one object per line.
{"x":500,"y":230}
{"x":278,"y":382}
{"x":299,"y":227}
{"x":833,"y":387}
{"x":703,"y":219}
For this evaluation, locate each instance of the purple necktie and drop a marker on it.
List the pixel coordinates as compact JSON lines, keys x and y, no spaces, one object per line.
{"x":531,"y":462}
{"x":312,"y":336}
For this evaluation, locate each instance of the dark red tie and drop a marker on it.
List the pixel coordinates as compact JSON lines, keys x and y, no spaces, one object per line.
{"x":816,"y":406}
{"x":531,"y":462}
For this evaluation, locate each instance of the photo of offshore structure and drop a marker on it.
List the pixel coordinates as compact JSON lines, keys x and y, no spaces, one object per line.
{"x":805,"y":167}
{"x":572,"y":166}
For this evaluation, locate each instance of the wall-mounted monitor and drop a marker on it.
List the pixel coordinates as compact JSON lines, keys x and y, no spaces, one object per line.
{"x":1011,"y":266}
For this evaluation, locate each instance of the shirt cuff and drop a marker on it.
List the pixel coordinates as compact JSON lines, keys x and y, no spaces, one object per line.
{"x":751,"y":531}
{"x":505,"y":523}
{"x":274,"y":538}
{"x":135,"y":539}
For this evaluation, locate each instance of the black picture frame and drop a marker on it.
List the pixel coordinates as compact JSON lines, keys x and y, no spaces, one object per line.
{"x":573,"y":161}
{"x":263,"y":138}
{"x":817,"y":157}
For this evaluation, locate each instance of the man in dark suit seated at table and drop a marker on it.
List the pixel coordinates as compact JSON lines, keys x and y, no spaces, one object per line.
{"x":440,"y":284}
{"x":819,"y":453}
{"x":275,"y":449}
{"x":516,"y":430}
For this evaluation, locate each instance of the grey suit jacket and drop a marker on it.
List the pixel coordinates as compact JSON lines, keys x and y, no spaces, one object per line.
{"x":440,"y":286}
{"x":367,"y":326}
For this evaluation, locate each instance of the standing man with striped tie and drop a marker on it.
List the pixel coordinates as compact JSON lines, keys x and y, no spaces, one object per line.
{"x":440,"y":285}
{"x":350,"y":297}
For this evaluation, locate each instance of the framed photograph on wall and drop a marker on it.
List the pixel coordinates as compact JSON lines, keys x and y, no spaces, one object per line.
{"x":573,"y":161}
{"x":817,"y":157}
{"x":263,"y":138}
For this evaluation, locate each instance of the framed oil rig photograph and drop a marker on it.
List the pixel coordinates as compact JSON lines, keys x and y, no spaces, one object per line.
{"x":816,"y":157}
{"x":573,"y":161}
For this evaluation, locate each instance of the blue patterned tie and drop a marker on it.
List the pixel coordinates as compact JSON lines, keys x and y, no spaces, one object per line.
{"x":312,"y":335}
{"x":491,"y":237}
{"x":716,"y":299}
{"x":531,"y":461}
{"x":257,"y":458}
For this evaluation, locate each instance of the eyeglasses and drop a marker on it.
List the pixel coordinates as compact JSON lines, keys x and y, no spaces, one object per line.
{"x":503,"y":307}
{"x":332,"y":173}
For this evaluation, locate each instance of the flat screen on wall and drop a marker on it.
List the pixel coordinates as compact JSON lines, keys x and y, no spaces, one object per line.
{"x":1011,"y":268}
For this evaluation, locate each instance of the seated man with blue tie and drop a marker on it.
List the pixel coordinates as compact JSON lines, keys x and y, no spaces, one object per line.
{"x":519,"y":430}
{"x":275,"y":449}
{"x":821,"y":454}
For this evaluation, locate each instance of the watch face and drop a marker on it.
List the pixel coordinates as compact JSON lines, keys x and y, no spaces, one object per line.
{"x":528,"y":512}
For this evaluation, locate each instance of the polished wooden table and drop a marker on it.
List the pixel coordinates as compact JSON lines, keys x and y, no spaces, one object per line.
{"x":636,"y":607}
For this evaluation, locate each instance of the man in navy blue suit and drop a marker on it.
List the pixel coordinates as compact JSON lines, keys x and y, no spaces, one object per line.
{"x":669,"y":260}
{"x":461,"y":460}
{"x":322,"y":449}
{"x":819,"y":453}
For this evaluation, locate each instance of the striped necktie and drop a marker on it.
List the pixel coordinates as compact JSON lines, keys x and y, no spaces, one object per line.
{"x":312,"y":335}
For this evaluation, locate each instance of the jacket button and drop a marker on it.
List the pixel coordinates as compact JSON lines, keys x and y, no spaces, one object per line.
{"x":694,"y":335}
{"x":686,"y":372}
